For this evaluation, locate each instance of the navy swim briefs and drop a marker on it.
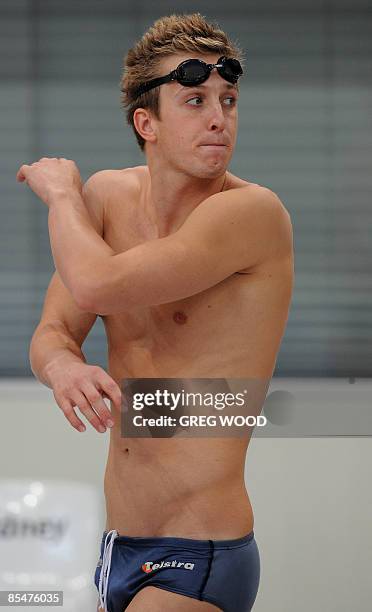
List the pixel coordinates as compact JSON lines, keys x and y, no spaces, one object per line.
{"x":225,"y":573}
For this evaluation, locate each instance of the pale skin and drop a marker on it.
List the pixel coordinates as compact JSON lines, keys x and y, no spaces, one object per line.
{"x":190,"y":282}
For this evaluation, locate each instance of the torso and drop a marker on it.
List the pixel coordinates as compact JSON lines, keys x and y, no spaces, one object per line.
{"x":179,"y":487}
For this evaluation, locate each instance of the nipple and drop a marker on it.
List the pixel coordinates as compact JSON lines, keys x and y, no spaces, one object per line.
{"x":179,"y":317}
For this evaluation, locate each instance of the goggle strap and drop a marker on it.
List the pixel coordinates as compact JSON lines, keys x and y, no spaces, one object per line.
{"x":155,"y":83}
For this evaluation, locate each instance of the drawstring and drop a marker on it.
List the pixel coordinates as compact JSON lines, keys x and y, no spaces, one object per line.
{"x":105,"y":569}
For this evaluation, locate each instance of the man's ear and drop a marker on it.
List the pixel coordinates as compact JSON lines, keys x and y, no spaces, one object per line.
{"x":145,"y":124}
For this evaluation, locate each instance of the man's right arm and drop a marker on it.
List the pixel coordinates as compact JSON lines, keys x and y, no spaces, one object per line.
{"x":56,"y":358}
{"x":59,"y":336}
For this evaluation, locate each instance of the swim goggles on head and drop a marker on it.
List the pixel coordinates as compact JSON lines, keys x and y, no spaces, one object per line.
{"x":192,"y":72}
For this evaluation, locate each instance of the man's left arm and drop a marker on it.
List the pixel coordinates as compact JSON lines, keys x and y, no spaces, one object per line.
{"x":227,"y":232}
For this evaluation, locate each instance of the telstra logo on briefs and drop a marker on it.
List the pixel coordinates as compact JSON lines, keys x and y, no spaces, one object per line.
{"x":150,"y":566}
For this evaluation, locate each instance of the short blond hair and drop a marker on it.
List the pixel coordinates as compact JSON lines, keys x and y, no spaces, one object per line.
{"x":168,"y":35}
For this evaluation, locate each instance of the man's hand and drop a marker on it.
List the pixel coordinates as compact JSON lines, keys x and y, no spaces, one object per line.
{"x":49,"y":176}
{"x":82,"y":386}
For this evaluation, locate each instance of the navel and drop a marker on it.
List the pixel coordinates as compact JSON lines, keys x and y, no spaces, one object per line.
{"x":179,"y":317}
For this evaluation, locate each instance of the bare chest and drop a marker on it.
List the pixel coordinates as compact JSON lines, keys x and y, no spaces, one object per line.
{"x":216,"y":308}
{"x":231,"y":329}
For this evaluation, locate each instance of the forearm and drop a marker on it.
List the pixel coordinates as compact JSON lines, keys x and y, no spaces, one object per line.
{"x":79,"y":253}
{"x":52,"y":347}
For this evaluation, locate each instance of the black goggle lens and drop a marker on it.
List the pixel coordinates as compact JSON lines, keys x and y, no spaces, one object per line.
{"x":195,"y":71}
{"x":231,"y":70}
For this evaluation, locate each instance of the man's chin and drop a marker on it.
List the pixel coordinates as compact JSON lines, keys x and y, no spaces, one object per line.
{"x":203,"y":166}
{"x":215,"y":163}
{"x":214,"y":170}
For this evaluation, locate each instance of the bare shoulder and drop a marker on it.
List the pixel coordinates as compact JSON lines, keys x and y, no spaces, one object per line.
{"x":275,"y":221}
{"x":107,"y":182}
{"x":272,"y":213}
{"x":255,"y":194}
{"x":261,"y":213}
{"x":248,"y":203}
{"x":105,"y":190}
{"x":278,"y":217}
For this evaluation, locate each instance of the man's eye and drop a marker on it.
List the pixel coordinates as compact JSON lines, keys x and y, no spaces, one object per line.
{"x":193,"y":100}
{"x":197,"y":100}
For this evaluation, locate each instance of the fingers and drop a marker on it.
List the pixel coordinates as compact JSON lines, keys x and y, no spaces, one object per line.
{"x":110,"y":388}
{"x":95,"y":399}
{"x":85,"y":406}
{"x":85,"y":388}
{"x":78,"y":400}
{"x":21,"y":174}
{"x":68,"y":411}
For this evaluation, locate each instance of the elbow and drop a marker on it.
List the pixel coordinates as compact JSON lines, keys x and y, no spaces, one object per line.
{"x":102,"y":292}
{"x":101,"y":302}
{"x":84,"y":297}
{"x":86,"y":288}
{"x":97,"y":304}
{"x":93,"y":299}
{"x":87,"y":303}
{"x":92,"y":287}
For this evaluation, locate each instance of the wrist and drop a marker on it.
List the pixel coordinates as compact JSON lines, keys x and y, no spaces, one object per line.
{"x":64,"y":195}
{"x":59,"y":364}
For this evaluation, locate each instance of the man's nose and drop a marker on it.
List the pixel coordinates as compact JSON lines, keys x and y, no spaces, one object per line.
{"x":216,"y":118}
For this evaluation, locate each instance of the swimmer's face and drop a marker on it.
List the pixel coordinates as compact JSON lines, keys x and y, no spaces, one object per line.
{"x":198,"y":126}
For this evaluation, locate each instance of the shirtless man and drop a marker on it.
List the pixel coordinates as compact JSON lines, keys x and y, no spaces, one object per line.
{"x":191,"y":271}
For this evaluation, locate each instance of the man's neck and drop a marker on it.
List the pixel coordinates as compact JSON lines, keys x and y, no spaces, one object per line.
{"x":173,"y":196}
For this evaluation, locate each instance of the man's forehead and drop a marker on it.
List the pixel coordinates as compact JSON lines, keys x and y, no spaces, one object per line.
{"x":172,"y":61}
